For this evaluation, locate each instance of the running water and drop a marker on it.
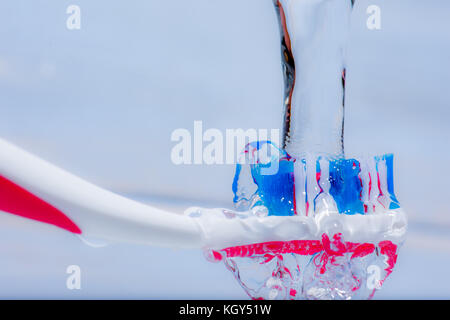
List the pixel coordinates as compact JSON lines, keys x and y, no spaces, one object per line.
{"x":313,"y":41}
{"x":346,"y":224}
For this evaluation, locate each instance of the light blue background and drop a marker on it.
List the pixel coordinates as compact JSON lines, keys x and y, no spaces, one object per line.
{"x":103,"y":101}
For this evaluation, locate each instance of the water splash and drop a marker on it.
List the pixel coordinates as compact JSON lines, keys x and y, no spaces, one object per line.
{"x":343,"y":237}
{"x":309,"y":269}
{"x":341,"y":222}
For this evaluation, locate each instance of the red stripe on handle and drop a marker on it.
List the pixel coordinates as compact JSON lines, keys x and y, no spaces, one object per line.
{"x":16,"y":200}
